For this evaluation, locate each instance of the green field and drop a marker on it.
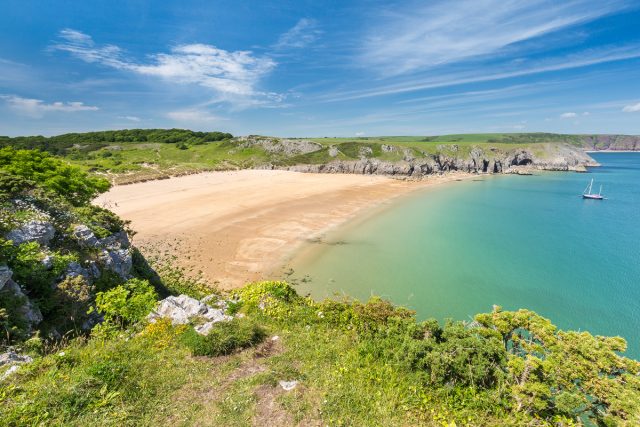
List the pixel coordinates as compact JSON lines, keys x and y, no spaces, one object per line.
{"x":136,"y":155}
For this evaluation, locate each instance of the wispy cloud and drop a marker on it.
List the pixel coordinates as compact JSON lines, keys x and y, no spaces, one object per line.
{"x":568,"y":115}
{"x":194,"y":116}
{"x":634,"y":108}
{"x":304,"y":33}
{"x":443,"y":32}
{"x":37,"y":108}
{"x":227,"y":74}
{"x":131,"y":118}
{"x":492,"y":73}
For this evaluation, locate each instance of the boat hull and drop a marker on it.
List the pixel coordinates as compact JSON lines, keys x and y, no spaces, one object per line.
{"x":592,"y":196}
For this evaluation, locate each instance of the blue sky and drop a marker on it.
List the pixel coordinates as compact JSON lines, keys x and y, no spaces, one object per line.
{"x":311,"y":68}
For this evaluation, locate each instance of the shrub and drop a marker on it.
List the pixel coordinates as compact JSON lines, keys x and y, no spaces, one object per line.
{"x":460,"y":356}
{"x":224,"y":338}
{"x":276,"y":299}
{"x":72,"y":300}
{"x":127,"y":303}
{"x":52,"y":174}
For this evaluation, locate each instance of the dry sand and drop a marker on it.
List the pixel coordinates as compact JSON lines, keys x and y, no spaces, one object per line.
{"x":241,"y":226}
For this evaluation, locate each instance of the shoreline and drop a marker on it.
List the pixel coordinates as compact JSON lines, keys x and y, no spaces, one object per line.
{"x":235,"y":227}
{"x":612,"y":151}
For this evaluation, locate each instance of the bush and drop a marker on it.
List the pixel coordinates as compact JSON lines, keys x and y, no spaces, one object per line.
{"x":72,"y":300}
{"x":224,"y":338}
{"x":460,"y":356}
{"x":52,"y":174}
{"x":127,"y":303}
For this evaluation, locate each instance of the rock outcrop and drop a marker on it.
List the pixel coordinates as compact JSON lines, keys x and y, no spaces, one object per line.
{"x":184,"y":309}
{"x":562,"y":157}
{"x":26,"y":309}
{"x":115,"y":253}
{"x":33,"y":231}
{"x":281,"y":146}
{"x":611,"y":142}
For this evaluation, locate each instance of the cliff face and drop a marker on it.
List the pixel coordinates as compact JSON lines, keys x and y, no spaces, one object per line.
{"x":551,"y":157}
{"x":54,"y":258}
{"x":611,"y":142}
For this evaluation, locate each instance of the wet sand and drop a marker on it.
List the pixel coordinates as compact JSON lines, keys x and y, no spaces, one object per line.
{"x":241,"y":226}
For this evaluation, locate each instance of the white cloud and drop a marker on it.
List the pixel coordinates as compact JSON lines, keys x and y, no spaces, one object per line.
{"x":586,"y":113}
{"x":472,"y":75}
{"x":428,"y":34}
{"x":193,"y":116}
{"x":131,"y":118}
{"x":632,"y":108}
{"x":300,"y":35}
{"x":568,"y":115}
{"x":360,"y":134}
{"x":37,"y":108}
{"x":228,"y":74}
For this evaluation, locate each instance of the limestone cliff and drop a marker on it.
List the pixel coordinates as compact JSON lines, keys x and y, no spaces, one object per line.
{"x":451,"y":157}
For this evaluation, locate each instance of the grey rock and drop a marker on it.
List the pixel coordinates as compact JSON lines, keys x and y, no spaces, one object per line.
{"x":28,"y":310}
{"x":11,"y":357}
{"x":74,"y":269}
{"x":119,"y":261}
{"x":5,"y":275}
{"x":283,"y":146}
{"x":33,"y":231}
{"x":387,"y":148}
{"x":333,"y":151}
{"x":118,"y":240}
{"x":12,"y":370}
{"x":184,"y":309}
{"x":47,"y":262}
{"x":84,"y":236}
{"x":449,"y":159}
{"x":288,"y":385}
{"x":365,"y":152}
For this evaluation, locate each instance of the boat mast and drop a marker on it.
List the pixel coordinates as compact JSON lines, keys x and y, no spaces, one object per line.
{"x":600,"y":192}
{"x":588,"y":189}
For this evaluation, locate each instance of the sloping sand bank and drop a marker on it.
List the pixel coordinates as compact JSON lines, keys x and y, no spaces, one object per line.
{"x":240,"y":226}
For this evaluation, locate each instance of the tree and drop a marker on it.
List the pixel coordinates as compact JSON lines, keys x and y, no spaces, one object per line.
{"x":52,"y":174}
{"x":575,"y":374}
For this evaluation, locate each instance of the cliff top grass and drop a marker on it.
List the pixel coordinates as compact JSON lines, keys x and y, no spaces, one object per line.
{"x":353,"y":363}
{"x":348,"y":362}
{"x":140,"y":154}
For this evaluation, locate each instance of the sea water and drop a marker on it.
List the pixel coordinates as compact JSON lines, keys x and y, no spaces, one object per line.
{"x":514,"y":241}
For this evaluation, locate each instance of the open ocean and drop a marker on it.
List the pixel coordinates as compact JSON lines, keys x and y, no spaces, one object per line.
{"x":516,"y":241}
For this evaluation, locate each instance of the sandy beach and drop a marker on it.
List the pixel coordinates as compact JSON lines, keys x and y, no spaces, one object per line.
{"x":241,"y":226}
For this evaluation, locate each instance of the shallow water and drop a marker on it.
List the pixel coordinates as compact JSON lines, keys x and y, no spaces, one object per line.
{"x":516,"y":241}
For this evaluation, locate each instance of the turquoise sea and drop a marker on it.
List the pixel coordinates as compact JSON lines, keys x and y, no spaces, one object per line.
{"x":516,"y":241}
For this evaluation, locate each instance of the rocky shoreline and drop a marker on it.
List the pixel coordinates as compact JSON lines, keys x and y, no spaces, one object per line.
{"x":556,"y":157}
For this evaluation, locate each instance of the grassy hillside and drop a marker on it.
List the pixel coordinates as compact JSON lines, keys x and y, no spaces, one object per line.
{"x":354,"y":364}
{"x":92,"y":356}
{"x":135,"y":155}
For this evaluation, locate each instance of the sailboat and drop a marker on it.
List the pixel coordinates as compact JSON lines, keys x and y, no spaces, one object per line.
{"x":587,"y":194}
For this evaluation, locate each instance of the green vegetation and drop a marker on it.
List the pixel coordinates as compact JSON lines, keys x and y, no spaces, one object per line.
{"x":140,"y":154}
{"x":226,"y":338}
{"x":42,"y":200}
{"x":92,"y":141}
{"x":99,"y":361}
{"x":39,"y":169}
{"x":356,"y":363}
